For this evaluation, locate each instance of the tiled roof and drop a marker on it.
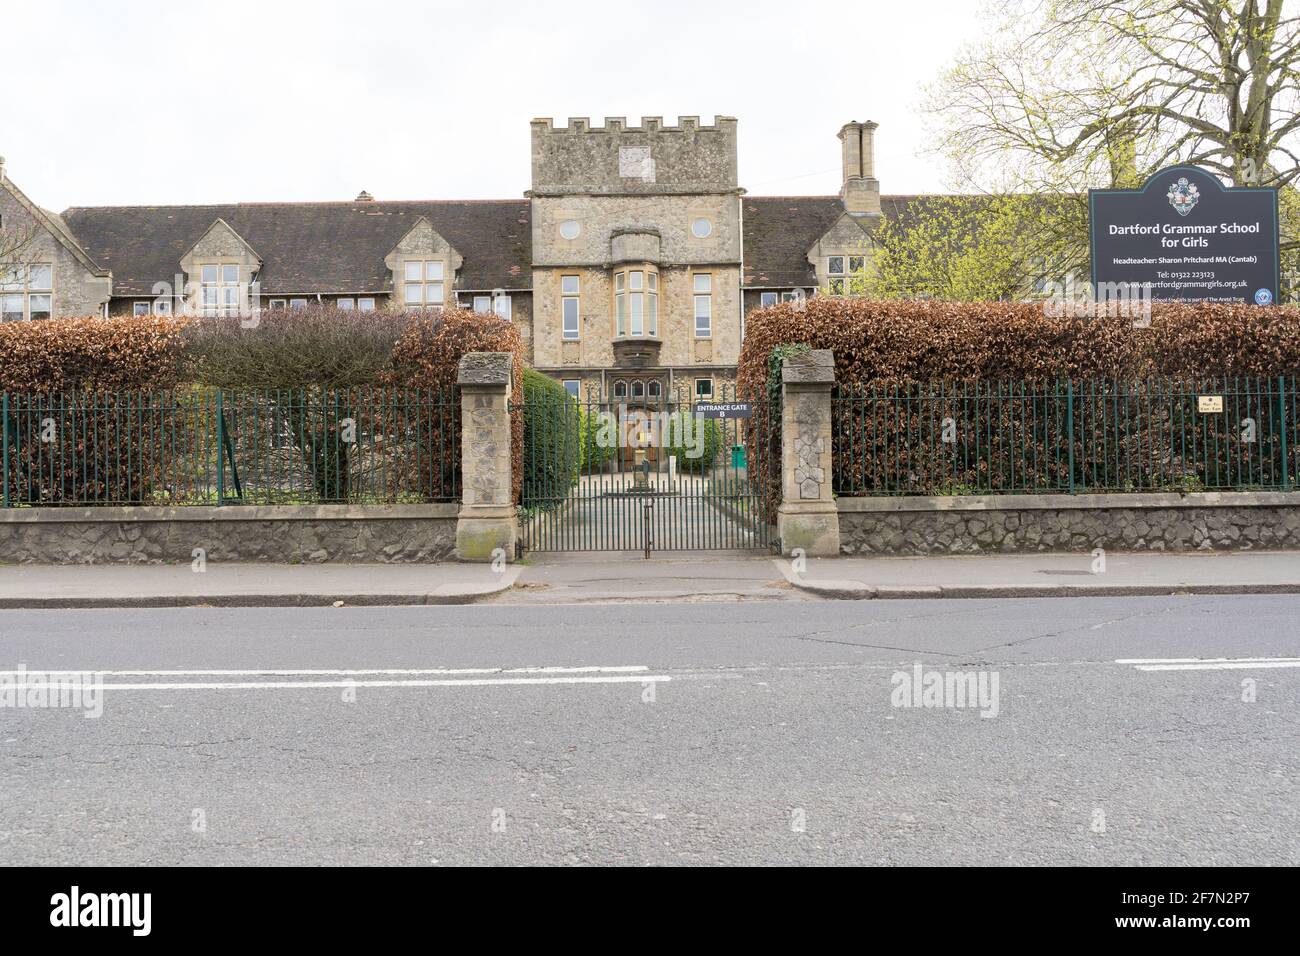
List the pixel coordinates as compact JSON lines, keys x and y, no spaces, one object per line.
{"x":779,"y":231}
{"x":309,"y":247}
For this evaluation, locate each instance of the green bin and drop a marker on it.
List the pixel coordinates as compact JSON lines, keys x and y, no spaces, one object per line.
{"x":737,"y":456}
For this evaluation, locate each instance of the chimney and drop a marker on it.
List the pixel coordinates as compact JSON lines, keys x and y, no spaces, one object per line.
{"x":861,"y":191}
{"x":364,"y":196}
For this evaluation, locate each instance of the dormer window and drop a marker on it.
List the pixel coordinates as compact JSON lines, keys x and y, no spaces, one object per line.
{"x":423,"y":283}
{"x":636,"y":302}
{"x":840,"y":271}
{"x":219,"y":288}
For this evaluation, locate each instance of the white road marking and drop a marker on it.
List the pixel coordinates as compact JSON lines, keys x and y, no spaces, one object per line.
{"x":462,"y":682}
{"x":1209,"y":663}
{"x":380,"y":672}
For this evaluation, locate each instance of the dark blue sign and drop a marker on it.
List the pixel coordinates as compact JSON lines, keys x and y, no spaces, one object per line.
{"x":1189,"y":237}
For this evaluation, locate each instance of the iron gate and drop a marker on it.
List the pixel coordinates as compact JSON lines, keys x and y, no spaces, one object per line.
{"x":642,"y":474}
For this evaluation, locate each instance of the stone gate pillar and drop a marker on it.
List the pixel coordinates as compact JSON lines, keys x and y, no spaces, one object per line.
{"x":487,"y":518}
{"x":807,"y":517}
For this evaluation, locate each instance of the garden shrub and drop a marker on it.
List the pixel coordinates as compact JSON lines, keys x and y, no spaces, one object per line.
{"x":553,"y":435}
{"x":706,"y":438}
{"x":67,"y":446}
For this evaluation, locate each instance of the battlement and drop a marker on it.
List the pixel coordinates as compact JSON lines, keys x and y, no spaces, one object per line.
{"x":649,"y":124}
{"x":618,"y":159}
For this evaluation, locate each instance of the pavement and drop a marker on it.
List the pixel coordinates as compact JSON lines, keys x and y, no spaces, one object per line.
{"x":1128,"y":731}
{"x":248,"y":585}
{"x":625,"y":576}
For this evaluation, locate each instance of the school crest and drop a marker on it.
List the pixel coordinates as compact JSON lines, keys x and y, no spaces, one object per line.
{"x":1184,"y":196}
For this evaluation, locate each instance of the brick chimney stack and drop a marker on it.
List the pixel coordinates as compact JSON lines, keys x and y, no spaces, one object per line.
{"x":861,"y":190}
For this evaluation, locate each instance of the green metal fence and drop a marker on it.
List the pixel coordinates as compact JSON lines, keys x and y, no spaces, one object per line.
{"x":1068,"y":437}
{"x":231,"y":446}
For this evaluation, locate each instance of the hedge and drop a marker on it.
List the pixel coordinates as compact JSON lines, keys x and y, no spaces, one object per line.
{"x":428,"y":356}
{"x":100,"y":451}
{"x":706,"y":431}
{"x":553,"y":432}
{"x":884,"y":345}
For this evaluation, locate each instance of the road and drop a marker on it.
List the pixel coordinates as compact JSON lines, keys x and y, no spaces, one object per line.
{"x":756,"y":732}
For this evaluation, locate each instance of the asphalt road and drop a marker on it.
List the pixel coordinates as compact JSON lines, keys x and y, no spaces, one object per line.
{"x":713,"y":733}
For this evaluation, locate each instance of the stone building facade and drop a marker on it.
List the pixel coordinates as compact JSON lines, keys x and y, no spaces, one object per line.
{"x":629,"y":264}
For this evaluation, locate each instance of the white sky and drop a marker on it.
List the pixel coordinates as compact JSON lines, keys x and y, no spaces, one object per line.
{"x":173,"y":101}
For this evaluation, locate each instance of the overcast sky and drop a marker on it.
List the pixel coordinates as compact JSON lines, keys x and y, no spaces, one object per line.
{"x":172,"y":101}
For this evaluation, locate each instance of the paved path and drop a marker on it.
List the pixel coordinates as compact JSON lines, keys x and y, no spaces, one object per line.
{"x":762,"y":732}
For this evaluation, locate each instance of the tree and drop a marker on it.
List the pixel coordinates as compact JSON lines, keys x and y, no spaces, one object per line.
{"x":972,"y":248}
{"x":17,"y":226}
{"x":1079,"y":93}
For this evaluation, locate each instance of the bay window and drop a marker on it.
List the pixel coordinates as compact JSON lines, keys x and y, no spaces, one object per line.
{"x":636,"y":302}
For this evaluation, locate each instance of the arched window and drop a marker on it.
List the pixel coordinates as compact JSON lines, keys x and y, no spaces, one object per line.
{"x":638,"y":389}
{"x":620,"y":389}
{"x":655,"y":389}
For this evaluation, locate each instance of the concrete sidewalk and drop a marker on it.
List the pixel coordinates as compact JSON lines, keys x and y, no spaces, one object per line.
{"x":1048,"y":575}
{"x":248,"y":585}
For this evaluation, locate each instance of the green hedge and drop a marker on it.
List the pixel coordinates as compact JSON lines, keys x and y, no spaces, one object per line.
{"x":712,"y":442}
{"x":552,"y":446}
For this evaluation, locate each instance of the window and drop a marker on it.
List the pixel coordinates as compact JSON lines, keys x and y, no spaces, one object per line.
{"x":794,"y":296}
{"x":840,"y":271}
{"x":704,"y":388}
{"x":701,"y":228}
{"x":501,"y":306}
{"x":26,"y":292}
{"x":570,"y":229}
{"x":366,"y":305}
{"x":570,"y":306}
{"x":297,"y":303}
{"x":277,"y":303}
{"x":620,"y":389}
{"x":219,"y":289}
{"x":572,"y":386}
{"x":162,"y":307}
{"x":767,"y":298}
{"x":654,"y":389}
{"x":139,"y":308}
{"x":482,"y":304}
{"x":636,"y":302}
{"x":638,"y":389}
{"x":703,"y":305}
{"x":346,"y":305}
{"x":423,"y":282}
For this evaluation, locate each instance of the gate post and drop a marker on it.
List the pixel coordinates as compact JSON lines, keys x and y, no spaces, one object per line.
{"x":487,"y":519}
{"x":807,"y":517}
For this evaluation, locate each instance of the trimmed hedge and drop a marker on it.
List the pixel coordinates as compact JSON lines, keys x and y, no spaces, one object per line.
{"x":882,"y":345}
{"x":428,"y":356}
{"x":553,"y":431}
{"x":66,"y":355}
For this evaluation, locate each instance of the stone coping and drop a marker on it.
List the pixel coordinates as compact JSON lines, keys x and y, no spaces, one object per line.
{"x":1061,"y":502}
{"x":201,"y":513}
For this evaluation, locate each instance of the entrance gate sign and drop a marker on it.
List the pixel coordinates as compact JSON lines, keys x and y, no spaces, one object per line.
{"x":1189,"y":237}
{"x":721,"y":410}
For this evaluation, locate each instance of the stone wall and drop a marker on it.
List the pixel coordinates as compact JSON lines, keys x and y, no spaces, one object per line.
{"x":279,"y":534}
{"x":1236,"y":521}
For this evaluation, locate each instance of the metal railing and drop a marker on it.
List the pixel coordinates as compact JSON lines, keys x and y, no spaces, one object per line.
{"x":1067,"y":437}
{"x":230,"y":446}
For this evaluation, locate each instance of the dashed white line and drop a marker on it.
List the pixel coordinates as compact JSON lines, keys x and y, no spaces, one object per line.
{"x":1209,"y":663}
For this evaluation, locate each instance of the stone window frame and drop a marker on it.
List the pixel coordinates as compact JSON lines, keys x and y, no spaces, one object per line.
{"x":702,"y":299}
{"x":426,"y":283}
{"x":837,"y":282}
{"x":570,"y":299}
{"x":576,"y":391}
{"x":16,"y":283}
{"x":627,"y":296}
{"x":221,"y":286}
{"x":355,"y":303}
{"x":791,"y":295}
{"x":706,"y":393}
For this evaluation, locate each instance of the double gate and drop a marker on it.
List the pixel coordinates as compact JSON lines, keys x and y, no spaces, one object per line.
{"x":646,"y":474}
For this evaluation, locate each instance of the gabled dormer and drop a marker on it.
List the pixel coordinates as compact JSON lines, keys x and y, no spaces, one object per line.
{"x":220,"y":270}
{"x":424,"y":266}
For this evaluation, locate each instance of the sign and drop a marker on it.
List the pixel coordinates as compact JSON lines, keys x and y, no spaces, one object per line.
{"x":1187,"y":235}
{"x":725,"y":410}
{"x":1209,"y":404}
